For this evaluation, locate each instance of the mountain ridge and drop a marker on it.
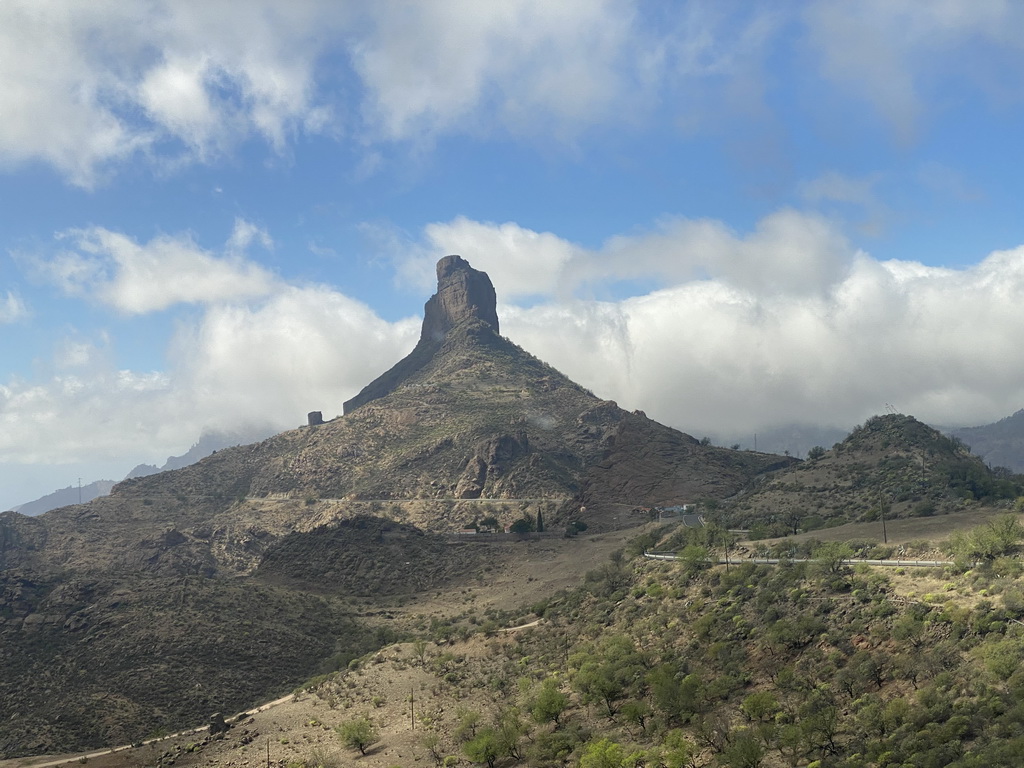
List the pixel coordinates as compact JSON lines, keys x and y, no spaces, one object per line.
{"x":468,"y":427}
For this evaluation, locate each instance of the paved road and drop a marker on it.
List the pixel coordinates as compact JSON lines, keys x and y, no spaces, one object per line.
{"x":777,"y":560}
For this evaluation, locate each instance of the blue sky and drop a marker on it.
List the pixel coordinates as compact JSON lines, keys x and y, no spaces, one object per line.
{"x":731,"y":215}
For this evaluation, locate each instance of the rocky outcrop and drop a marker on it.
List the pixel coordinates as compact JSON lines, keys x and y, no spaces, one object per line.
{"x":491,"y":460}
{"x":464,"y":295}
{"x":217,"y":724}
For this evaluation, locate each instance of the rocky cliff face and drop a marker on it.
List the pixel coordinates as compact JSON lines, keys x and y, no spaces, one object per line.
{"x":463,"y":293}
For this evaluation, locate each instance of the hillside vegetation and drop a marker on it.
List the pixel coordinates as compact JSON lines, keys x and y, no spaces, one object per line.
{"x":684,"y":664}
{"x":892,"y":465}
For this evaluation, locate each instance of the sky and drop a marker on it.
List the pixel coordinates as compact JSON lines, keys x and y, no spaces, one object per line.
{"x":730,"y":215}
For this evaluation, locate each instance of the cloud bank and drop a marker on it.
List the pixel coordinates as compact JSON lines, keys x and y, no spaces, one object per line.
{"x":741,"y":331}
{"x":785,"y":324}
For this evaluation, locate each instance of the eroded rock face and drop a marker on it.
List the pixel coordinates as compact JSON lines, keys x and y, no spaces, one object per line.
{"x":463,"y":293}
{"x":491,"y":461}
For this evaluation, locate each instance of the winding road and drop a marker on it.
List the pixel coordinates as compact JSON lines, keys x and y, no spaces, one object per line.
{"x":777,"y":560}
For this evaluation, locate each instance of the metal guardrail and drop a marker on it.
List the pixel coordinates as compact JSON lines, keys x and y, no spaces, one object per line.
{"x":777,"y":560}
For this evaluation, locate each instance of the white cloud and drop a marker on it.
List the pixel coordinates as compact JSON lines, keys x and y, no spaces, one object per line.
{"x":69,"y":417}
{"x":301,"y":349}
{"x":244,"y":234}
{"x":12,"y":308}
{"x":176,"y":96}
{"x":898,"y":54}
{"x":708,"y":357}
{"x":789,"y":252}
{"x":87,"y":86}
{"x":519,"y":261}
{"x":533,"y":65}
{"x":115,"y":270}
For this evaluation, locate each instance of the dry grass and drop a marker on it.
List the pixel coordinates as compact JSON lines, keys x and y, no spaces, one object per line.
{"x":903,"y":531}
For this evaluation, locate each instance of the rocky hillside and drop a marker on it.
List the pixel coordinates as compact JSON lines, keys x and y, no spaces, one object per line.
{"x":468,"y":426}
{"x":176,"y":585}
{"x":65,"y":496}
{"x":892,"y":463}
{"x":673,"y":664}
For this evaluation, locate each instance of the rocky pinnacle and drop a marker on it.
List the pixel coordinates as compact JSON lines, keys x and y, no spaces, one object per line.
{"x":463,"y":294}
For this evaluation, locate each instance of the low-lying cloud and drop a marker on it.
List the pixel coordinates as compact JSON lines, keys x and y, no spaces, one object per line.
{"x":787,"y":323}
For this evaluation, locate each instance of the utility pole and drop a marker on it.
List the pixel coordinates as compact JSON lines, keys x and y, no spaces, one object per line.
{"x":412,"y":707}
{"x":881,"y":511}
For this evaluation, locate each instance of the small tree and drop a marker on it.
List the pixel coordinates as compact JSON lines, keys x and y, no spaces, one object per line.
{"x":760,"y":705}
{"x":358,"y":733}
{"x":549,"y":703}
{"x":745,"y":750}
{"x":679,"y":751}
{"x":815,"y":453}
{"x":637,"y":713}
{"x":522,"y":525}
{"x":603,"y":753}
{"x":831,"y":554}
{"x":419,"y":648}
{"x":485,"y":747}
{"x":432,"y":742}
{"x":540,"y":522}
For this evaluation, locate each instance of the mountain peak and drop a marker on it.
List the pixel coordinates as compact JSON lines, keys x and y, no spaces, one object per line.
{"x":463,"y":295}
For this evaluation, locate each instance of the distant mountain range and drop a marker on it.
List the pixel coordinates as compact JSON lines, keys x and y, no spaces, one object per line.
{"x":1000,"y":444}
{"x":73,"y":494}
{"x":209,"y":442}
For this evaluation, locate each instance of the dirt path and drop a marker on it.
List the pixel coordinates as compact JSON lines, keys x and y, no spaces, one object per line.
{"x":81,"y":757}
